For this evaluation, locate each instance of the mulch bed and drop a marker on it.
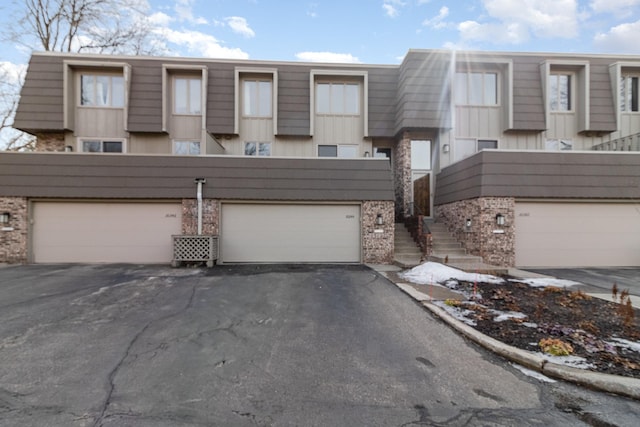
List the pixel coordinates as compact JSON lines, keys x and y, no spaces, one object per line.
{"x":587,"y":324}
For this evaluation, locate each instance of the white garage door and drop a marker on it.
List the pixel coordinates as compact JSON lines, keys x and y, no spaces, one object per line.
{"x":290,"y":233}
{"x":105,"y":232}
{"x":577,"y":234}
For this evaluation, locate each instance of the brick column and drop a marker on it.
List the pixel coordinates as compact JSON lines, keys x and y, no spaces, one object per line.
{"x":50,"y":142}
{"x":377,"y":240}
{"x":402,"y":176}
{"x":210,"y":216}
{"x":14,"y":234}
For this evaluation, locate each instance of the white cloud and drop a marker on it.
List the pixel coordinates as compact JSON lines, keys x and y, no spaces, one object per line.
{"x":327,"y":57}
{"x":12,"y":73}
{"x":438,"y":21}
{"x":160,"y":19}
{"x":239,"y":25}
{"x":512,"y":22}
{"x":622,"y":38}
{"x":392,"y":7}
{"x":184,"y":12}
{"x":616,"y":7}
{"x":201,"y":44}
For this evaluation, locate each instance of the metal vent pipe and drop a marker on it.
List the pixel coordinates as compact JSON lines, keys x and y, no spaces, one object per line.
{"x":199,"y":182}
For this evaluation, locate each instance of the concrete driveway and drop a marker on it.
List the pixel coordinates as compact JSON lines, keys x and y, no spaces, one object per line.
{"x":119,"y":345}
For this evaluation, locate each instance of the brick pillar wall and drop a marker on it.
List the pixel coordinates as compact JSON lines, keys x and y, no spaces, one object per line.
{"x":210,"y":216}
{"x":50,"y":142}
{"x":496,"y":245}
{"x":377,"y":240}
{"x":14,"y":235}
{"x":402,"y":176}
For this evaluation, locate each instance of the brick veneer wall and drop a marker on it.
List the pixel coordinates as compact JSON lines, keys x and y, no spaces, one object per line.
{"x":377,"y":247}
{"x":496,"y":245}
{"x":50,"y":142}
{"x":14,"y":235}
{"x":402,"y":176}
{"x":210,"y":216}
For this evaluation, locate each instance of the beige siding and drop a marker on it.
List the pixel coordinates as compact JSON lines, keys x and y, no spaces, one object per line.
{"x":149,"y":144}
{"x":100,"y":122}
{"x":256,"y":129}
{"x":483,"y":122}
{"x":338,"y":130}
{"x":185,"y":127}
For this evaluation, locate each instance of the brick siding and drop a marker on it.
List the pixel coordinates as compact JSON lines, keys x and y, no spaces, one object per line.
{"x":14,"y":235}
{"x":377,"y":247}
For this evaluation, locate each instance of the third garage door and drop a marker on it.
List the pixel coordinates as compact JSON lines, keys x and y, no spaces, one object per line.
{"x":577,"y":234}
{"x":290,"y":233}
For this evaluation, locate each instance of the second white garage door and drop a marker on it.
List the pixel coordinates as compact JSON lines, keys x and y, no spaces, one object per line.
{"x":577,"y":234}
{"x":105,"y":232}
{"x":290,"y":233}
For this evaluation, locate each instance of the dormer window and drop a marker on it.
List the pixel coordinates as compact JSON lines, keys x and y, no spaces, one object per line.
{"x":187,"y":95}
{"x":629,"y":93}
{"x":476,"y":88}
{"x":560,"y":92}
{"x":338,"y":98}
{"x":98,"y":90}
{"x":257,"y":99}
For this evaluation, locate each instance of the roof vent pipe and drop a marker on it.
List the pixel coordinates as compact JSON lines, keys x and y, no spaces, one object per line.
{"x":199,"y":182}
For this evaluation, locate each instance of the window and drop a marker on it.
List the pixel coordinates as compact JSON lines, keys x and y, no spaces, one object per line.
{"x":187,"y":95}
{"x":487,"y":144}
{"x":257,"y":98}
{"x":559,"y":144}
{"x":98,"y":90}
{"x":186,"y":148}
{"x":629,"y":94}
{"x":102,"y":146}
{"x":343,"y":151}
{"x":257,"y":149}
{"x":421,"y":155}
{"x":476,"y":88}
{"x":560,"y":92}
{"x":338,"y":98}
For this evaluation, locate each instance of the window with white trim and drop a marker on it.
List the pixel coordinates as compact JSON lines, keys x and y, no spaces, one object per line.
{"x":338,"y":98}
{"x":257,"y":98}
{"x":629,"y":93}
{"x":101,"y":146}
{"x":187,"y":95}
{"x":560,"y":92}
{"x":476,"y":88}
{"x":101,"y":90}
{"x":186,"y":148}
{"x":257,"y":148}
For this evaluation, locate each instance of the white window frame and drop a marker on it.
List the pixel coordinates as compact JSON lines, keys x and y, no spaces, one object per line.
{"x":257,"y":152}
{"x":95,"y":75}
{"x":177,"y":142}
{"x":571,"y":88}
{"x":338,"y":99}
{"x":259,"y":101}
{"x":340,"y":149}
{"x":629,"y":99}
{"x":189,"y":79}
{"x":468,"y":84}
{"x":81,"y":141}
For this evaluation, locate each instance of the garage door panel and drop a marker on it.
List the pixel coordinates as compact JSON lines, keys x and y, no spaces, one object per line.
{"x":105,"y":232}
{"x":577,"y":234}
{"x":290,"y":233}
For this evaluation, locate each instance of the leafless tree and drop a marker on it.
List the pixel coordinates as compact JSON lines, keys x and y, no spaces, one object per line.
{"x":99,"y":26}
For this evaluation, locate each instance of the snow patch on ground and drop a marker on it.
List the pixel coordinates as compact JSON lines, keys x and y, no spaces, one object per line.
{"x":631,"y":345}
{"x":533,"y":374}
{"x":458,"y":313}
{"x":433,"y":272}
{"x":506,"y":315}
{"x":572,"y":361}
{"x":546,"y":282}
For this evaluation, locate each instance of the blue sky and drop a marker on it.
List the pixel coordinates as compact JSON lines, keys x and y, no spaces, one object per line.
{"x":381,"y":31}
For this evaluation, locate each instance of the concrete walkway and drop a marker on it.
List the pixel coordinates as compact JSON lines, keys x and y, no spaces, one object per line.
{"x":426,"y":294}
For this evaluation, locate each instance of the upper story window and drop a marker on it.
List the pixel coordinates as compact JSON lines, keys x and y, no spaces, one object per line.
{"x":257,"y":98}
{"x":186,"y":148}
{"x":101,"y":90}
{"x":187,"y":95}
{"x":101,"y":146}
{"x":476,"y":88}
{"x":344,"y":151}
{"x":560,"y":92}
{"x":629,"y":93}
{"x":338,"y":98}
{"x":257,"y":149}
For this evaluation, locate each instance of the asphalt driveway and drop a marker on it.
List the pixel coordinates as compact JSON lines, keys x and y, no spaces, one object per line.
{"x":598,"y":280}
{"x":122,"y":345}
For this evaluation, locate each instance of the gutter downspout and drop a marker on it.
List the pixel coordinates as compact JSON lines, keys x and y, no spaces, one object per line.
{"x":199,"y":182}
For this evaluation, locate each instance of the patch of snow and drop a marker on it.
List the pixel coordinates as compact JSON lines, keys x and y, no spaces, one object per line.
{"x":631,"y":345}
{"x":572,"y":361}
{"x":430,"y":272}
{"x":546,"y":282}
{"x":506,"y":315}
{"x":529,"y":324}
{"x":533,"y":374}
{"x":457,"y":313}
